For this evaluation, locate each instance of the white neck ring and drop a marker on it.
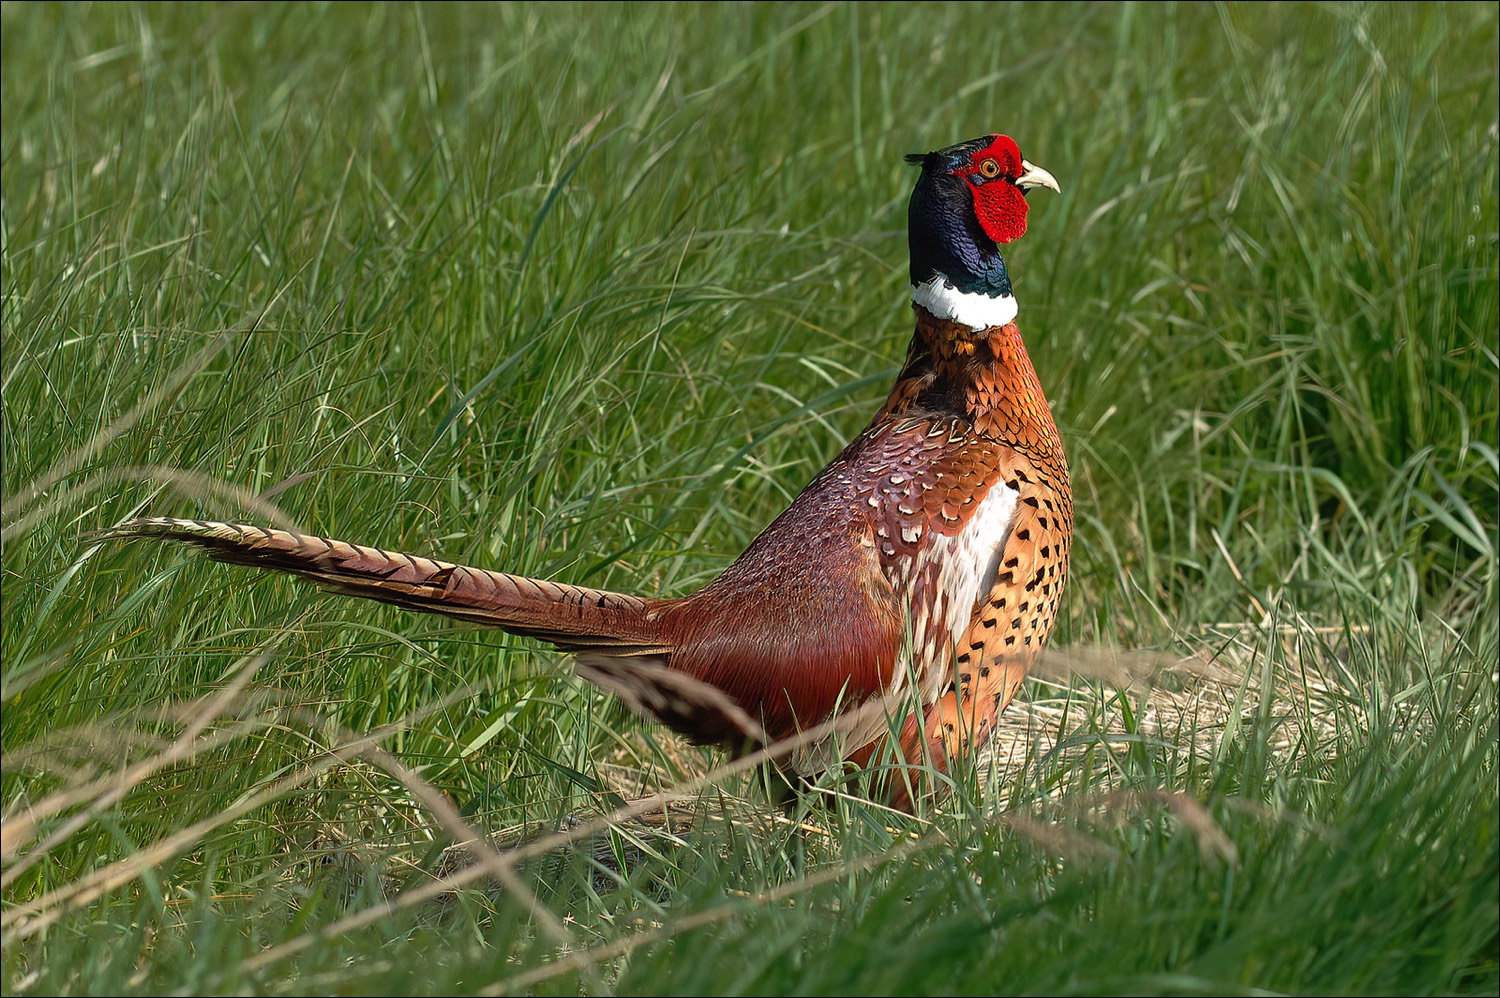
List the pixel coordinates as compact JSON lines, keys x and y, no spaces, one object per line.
{"x":977,"y":311}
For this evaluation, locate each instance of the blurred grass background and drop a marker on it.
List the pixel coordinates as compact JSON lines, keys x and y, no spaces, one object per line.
{"x":590,"y":292}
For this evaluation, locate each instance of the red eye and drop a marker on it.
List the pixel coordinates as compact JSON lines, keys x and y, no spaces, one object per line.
{"x":989,"y":168}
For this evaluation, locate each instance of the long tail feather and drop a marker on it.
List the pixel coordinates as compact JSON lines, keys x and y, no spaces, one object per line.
{"x":620,"y":642}
{"x":571,"y":617}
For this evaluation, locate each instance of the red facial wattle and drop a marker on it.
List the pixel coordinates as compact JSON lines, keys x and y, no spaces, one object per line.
{"x":999,"y":205}
{"x":1001,"y":210}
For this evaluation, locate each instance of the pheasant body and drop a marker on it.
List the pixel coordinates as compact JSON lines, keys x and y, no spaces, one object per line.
{"x":925,"y":561}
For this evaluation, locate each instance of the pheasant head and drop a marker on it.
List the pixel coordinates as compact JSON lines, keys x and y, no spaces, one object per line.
{"x":969,"y":200}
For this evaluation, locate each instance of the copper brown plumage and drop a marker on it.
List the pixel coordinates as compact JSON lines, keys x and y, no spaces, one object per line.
{"x":925,"y":563}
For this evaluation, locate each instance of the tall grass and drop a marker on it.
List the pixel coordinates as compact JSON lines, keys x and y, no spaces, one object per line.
{"x":590,"y":292}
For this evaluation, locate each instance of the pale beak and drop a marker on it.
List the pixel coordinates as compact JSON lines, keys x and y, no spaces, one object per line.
{"x":1035,"y":176}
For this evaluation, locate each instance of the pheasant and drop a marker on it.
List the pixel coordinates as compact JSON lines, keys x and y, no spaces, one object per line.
{"x":924,"y":563}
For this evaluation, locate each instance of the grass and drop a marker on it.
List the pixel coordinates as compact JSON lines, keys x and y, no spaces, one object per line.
{"x":591,"y":292}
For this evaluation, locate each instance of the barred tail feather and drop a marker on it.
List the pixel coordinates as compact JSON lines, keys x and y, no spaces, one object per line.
{"x":618,"y":637}
{"x":571,"y":617}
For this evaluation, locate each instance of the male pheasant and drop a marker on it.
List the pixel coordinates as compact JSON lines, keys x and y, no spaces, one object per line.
{"x":924,"y":562}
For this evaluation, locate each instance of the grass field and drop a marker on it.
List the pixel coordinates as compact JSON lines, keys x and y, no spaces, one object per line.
{"x":590,"y":292}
